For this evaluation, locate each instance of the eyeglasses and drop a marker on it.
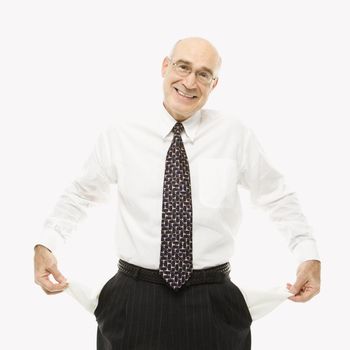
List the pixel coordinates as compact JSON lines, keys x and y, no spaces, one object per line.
{"x":184,"y":70}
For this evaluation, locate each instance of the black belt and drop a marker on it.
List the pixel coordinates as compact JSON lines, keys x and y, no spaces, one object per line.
{"x":210,"y":275}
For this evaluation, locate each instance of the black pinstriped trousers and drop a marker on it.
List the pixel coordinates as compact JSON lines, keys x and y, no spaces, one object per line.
{"x":133,"y":314}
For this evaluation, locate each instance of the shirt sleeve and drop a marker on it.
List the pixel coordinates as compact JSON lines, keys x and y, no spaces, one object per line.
{"x":91,"y":186}
{"x":269,"y":191}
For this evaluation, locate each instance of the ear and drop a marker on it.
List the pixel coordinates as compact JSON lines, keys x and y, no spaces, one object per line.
{"x":215,"y":83}
{"x":165,"y":65}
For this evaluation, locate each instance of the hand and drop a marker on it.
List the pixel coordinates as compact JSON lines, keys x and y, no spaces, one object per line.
{"x":308,"y":281}
{"x":45,"y":264}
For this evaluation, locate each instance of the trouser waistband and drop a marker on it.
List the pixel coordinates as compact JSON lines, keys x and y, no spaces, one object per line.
{"x":213,"y":274}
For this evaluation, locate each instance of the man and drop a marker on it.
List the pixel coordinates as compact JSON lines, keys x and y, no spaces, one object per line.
{"x":177,"y":170}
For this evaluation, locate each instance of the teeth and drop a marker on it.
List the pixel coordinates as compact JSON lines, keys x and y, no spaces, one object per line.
{"x":183,"y":94}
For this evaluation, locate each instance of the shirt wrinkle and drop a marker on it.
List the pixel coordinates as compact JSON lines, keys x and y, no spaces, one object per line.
{"x":222,"y":154}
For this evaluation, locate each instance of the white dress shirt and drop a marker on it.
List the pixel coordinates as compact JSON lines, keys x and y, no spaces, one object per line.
{"x":223,"y":154}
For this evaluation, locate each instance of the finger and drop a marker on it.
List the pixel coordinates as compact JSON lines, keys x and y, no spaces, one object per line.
{"x":53,"y":287}
{"x":50,"y":287}
{"x":304,"y":295}
{"x":298,"y":285}
{"x":301,"y":298}
{"x":51,"y":293}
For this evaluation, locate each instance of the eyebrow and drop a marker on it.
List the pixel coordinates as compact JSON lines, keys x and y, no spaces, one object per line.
{"x":190,"y":64}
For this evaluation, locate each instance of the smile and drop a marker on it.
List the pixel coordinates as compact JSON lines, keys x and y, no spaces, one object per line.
{"x":182,"y":94}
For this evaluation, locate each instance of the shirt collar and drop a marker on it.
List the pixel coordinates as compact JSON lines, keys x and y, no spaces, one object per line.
{"x":191,"y":124}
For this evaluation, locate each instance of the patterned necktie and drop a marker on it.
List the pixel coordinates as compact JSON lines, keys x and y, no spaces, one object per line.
{"x":176,"y":240}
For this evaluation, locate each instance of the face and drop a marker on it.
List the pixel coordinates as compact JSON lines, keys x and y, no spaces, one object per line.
{"x":183,"y":96}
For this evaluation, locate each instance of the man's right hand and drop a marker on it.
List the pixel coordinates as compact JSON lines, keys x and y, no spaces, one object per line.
{"x":45,"y":264}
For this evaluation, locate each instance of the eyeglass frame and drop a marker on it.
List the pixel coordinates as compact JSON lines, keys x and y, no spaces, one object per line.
{"x":174,"y":64}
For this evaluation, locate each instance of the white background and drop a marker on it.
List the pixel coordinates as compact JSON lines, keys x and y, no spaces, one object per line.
{"x":70,"y":67}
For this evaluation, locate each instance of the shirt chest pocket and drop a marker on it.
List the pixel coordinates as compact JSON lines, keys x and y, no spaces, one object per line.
{"x":217,"y":180}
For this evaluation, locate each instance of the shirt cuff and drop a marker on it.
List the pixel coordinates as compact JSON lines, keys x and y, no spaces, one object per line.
{"x":50,"y":239}
{"x":306,"y":250}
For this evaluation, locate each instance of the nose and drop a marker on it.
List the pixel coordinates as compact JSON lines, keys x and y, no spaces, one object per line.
{"x":190,"y":80}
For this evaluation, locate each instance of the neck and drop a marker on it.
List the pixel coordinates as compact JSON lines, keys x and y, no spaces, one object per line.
{"x":177,"y":117}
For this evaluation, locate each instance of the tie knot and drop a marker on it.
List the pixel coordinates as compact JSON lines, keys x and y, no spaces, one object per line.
{"x":177,"y":129}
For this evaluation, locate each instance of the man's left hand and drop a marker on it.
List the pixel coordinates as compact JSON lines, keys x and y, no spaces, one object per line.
{"x":308,"y":281}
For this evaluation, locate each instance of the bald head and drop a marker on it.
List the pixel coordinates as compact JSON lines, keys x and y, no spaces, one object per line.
{"x":202,"y":47}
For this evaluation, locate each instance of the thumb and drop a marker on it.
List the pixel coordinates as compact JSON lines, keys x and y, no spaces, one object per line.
{"x":298,"y":285}
{"x":57,"y":275}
